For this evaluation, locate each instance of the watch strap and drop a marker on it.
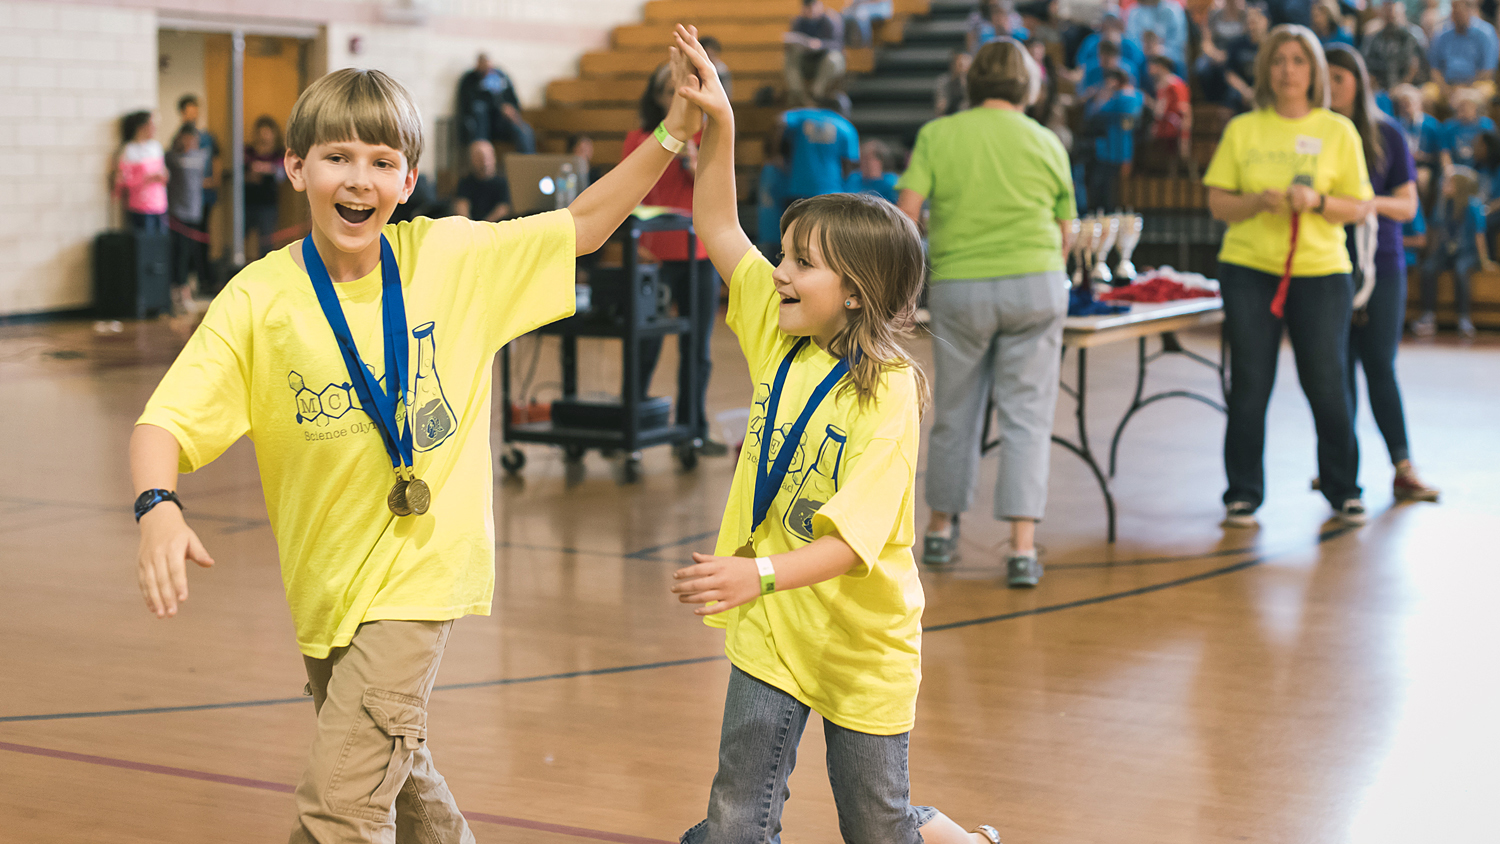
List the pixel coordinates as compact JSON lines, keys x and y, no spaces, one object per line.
{"x":148,"y":500}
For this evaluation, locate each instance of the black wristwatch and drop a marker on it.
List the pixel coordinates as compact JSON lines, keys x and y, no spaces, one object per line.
{"x":1322,"y":203}
{"x":152,"y":497}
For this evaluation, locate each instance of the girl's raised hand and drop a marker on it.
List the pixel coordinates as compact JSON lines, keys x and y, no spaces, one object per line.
{"x":708,"y":94}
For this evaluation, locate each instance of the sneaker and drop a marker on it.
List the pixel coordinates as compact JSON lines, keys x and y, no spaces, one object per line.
{"x":712,"y":448}
{"x":1022,"y":570}
{"x":939,"y":550}
{"x":1239,"y":514}
{"x":1466,"y":328}
{"x":1352,"y":512}
{"x":1408,"y":487}
{"x":1425,"y":325}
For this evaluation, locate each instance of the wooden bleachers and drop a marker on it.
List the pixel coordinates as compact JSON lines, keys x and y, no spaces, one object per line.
{"x":601,"y":100}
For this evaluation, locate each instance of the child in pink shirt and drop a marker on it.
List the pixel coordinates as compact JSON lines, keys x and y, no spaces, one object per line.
{"x":141,"y":173}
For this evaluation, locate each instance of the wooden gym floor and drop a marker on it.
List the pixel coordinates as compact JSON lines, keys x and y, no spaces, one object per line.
{"x":1300,"y":683}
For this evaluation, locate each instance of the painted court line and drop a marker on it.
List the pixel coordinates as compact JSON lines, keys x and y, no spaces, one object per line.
{"x":623,"y":669}
{"x":283,"y":788}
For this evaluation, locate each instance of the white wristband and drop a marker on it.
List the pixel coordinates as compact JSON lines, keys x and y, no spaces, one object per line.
{"x":767,"y":575}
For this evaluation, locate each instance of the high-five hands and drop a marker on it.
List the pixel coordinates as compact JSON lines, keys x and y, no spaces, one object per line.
{"x":702,"y":87}
{"x":727,"y":581}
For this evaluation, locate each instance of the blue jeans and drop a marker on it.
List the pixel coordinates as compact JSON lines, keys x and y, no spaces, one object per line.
{"x":757,"y":751}
{"x":676,"y":274}
{"x":1318,"y":309}
{"x":1463,"y":264}
{"x":1373,"y":345}
{"x":149,"y":223}
{"x":863,"y":16}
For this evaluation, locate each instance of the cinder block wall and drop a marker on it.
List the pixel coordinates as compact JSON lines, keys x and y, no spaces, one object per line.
{"x":69,"y":70}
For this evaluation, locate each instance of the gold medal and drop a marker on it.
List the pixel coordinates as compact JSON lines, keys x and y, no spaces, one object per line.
{"x":418,"y":496}
{"x":396,"y":499}
{"x":747,"y":551}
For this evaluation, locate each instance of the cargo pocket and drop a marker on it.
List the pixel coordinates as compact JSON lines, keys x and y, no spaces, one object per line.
{"x":403,"y":719}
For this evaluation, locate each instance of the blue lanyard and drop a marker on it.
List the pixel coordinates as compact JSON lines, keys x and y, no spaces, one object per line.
{"x":768,"y":476}
{"x":379,"y":403}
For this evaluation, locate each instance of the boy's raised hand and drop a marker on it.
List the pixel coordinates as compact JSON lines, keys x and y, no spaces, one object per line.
{"x":684,"y":119}
{"x":167,"y":543}
{"x":708,"y":93}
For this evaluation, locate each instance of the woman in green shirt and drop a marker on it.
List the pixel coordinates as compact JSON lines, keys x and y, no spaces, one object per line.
{"x":1001,"y":194}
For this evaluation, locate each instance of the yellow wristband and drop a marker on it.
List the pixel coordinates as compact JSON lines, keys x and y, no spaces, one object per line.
{"x":668,"y":142}
{"x":767,"y":575}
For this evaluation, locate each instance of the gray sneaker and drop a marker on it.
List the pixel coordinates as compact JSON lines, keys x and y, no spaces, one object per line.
{"x":1352,"y":512}
{"x":1466,"y":328}
{"x":1022,"y":570}
{"x":938,"y":550}
{"x":1240,"y":514}
{"x":1425,"y":325}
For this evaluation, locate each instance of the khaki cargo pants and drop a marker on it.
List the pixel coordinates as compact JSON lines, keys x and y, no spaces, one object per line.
{"x":370,"y":777}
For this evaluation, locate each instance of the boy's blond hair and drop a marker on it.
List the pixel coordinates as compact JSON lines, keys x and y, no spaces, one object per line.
{"x":353,"y":104}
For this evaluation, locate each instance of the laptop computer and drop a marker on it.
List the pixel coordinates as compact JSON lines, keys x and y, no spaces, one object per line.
{"x":533,"y":178}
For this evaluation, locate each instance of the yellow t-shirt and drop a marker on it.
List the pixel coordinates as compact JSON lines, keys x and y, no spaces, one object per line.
{"x":264,"y":364}
{"x":1262,"y":150}
{"x":849,"y":647}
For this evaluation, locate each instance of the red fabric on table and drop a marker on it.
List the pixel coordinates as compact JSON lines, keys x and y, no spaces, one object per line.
{"x":1155,"y":290}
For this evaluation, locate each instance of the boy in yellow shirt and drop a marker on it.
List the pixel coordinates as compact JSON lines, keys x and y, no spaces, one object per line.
{"x":374,"y":456}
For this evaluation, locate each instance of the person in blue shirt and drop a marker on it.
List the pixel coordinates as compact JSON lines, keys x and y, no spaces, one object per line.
{"x":996,"y":19}
{"x":874,"y":176}
{"x":1424,"y":134}
{"x":1463,"y":52}
{"x":1111,"y":30}
{"x":1109,"y":58}
{"x":771,"y":197}
{"x":1458,"y":244}
{"x":822,"y":147}
{"x":1164,"y":17}
{"x":1414,"y":237}
{"x":1326,"y":24}
{"x":1460,"y":130}
{"x":1114,"y":112}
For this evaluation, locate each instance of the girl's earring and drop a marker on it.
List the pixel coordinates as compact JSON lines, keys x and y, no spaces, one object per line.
{"x":848,"y":303}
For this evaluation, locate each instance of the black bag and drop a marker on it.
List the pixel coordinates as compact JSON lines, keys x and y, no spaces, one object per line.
{"x":132,"y":274}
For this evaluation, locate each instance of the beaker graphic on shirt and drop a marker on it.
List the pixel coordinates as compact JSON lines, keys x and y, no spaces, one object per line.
{"x":434,"y":419}
{"x":818,"y":485}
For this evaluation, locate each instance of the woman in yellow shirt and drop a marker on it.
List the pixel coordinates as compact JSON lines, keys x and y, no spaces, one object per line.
{"x":1287,"y":177}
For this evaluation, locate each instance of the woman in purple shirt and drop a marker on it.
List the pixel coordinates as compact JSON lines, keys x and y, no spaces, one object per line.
{"x":1377,"y":326}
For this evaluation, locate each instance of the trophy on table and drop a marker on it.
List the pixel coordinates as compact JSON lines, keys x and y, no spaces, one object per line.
{"x":1092,"y":231}
{"x":1075,"y":251}
{"x":1110,"y":227}
{"x":1130,"y":236}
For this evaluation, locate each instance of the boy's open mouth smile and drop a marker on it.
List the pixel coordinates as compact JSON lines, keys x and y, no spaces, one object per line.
{"x":788,"y":300}
{"x":354,"y":213}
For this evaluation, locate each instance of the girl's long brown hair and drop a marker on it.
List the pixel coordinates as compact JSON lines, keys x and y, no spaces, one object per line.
{"x":1366,"y":115}
{"x":877,"y":252}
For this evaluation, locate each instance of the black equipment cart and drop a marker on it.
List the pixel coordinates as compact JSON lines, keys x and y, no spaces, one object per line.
{"x":625,"y":303}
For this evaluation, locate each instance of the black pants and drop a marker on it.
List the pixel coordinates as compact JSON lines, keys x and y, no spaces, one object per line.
{"x":1373,"y":345}
{"x":1103,"y":185}
{"x":1316,"y":319}
{"x":690,"y":396}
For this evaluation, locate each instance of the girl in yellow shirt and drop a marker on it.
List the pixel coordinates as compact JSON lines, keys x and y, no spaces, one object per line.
{"x":813,"y":576}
